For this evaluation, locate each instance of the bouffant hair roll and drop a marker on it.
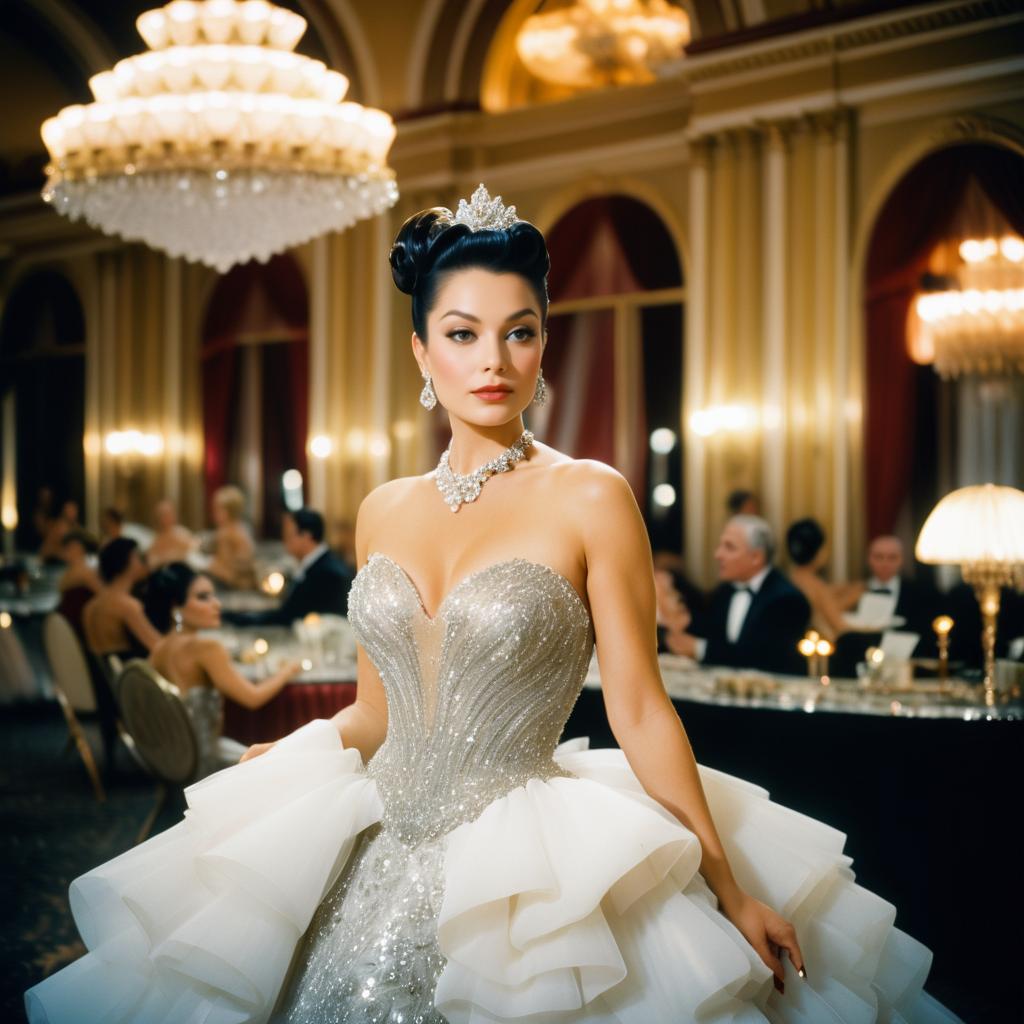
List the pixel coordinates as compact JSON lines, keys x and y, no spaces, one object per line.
{"x":430,"y":246}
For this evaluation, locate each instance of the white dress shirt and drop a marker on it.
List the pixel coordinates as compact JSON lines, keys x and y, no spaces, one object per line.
{"x":300,"y":573}
{"x":739,"y":605}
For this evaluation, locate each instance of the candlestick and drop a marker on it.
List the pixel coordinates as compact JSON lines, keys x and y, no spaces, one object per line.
{"x":943,"y":625}
{"x":823,"y":649}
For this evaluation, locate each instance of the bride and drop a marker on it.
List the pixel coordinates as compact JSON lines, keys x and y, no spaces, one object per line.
{"x":474,"y":871}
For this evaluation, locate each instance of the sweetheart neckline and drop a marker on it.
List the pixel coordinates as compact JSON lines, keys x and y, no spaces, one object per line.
{"x":564,"y":580}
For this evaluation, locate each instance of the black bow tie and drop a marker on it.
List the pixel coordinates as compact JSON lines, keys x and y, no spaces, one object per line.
{"x":881,"y":590}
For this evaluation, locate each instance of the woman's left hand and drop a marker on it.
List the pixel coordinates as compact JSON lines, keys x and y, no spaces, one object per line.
{"x":768,"y":932}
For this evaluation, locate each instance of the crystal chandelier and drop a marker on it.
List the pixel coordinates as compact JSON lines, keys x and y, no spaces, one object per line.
{"x":603,"y":42}
{"x":977,"y":328}
{"x":219,"y":143}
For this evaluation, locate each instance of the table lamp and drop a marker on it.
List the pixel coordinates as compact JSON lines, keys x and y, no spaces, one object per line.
{"x":981,"y":529}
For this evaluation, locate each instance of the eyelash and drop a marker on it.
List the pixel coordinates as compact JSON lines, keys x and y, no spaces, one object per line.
{"x":526,"y":332}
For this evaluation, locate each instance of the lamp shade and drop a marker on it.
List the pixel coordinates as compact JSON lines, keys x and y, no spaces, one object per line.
{"x":975,"y":525}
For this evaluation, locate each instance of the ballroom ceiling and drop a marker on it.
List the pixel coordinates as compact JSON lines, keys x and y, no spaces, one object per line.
{"x":49,"y":48}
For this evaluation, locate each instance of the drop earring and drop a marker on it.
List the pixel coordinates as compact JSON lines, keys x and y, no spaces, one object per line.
{"x":179,"y":622}
{"x":540,"y":392}
{"x":428,"y":397}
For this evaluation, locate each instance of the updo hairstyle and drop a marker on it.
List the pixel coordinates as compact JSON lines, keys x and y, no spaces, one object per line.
{"x":430,"y":246}
{"x":804,"y":540}
{"x":168,"y":589}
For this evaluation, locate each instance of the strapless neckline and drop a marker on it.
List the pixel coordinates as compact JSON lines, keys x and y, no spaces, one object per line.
{"x":476,"y":575}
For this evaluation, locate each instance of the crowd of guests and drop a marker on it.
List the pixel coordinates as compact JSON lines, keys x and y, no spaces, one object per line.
{"x":757,"y":614}
{"x":158,"y":600}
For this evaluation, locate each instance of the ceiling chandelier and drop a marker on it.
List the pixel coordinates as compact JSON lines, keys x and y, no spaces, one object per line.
{"x":219,"y":143}
{"x":978,"y":326}
{"x":603,"y":42}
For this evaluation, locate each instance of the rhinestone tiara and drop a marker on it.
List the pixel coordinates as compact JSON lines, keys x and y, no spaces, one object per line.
{"x":482,"y":213}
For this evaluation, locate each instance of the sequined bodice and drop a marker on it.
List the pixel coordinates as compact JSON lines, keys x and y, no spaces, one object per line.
{"x":478,"y":695}
{"x":205,"y":707}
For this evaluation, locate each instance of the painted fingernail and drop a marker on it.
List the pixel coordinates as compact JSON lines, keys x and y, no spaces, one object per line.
{"x":802,"y":973}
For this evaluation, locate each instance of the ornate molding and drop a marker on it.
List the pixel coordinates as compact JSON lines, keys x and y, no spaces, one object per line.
{"x":826,"y":42}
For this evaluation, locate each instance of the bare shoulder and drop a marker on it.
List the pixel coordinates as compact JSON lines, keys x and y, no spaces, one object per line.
{"x":597,"y":484}
{"x":207,"y":649}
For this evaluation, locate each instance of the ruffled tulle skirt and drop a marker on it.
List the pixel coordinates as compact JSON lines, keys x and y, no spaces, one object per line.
{"x":567,"y":900}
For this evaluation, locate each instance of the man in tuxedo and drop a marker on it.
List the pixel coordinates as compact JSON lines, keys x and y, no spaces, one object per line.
{"x":321,"y":583}
{"x":756,"y":616}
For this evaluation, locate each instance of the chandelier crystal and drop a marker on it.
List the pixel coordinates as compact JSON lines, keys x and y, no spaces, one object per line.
{"x":977,"y":328}
{"x":219,"y":143}
{"x":603,"y":42}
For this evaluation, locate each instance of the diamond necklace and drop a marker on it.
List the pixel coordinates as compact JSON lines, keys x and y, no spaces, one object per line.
{"x":457,"y":488}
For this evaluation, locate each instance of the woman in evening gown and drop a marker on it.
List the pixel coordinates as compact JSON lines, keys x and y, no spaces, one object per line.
{"x":475,"y":871}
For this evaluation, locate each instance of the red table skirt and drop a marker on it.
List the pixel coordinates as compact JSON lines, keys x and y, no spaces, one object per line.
{"x":295,"y":705}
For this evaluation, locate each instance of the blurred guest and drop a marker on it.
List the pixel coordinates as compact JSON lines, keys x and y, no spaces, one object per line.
{"x":756,"y":616}
{"x":321,"y":583}
{"x":172,"y":542}
{"x":50,"y":551}
{"x":79,"y":581}
{"x":114,"y":620}
{"x":181,"y":602}
{"x":681,"y":605}
{"x":111,"y":524}
{"x":743,"y":503}
{"x":915,"y":602}
{"x":232,"y":561}
{"x":805,"y":542}
{"x":43,"y":512}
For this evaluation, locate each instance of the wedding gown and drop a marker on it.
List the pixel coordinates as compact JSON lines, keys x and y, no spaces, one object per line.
{"x":473,"y":872}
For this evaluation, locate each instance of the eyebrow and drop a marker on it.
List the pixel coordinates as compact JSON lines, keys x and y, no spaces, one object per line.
{"x":512,"y":316}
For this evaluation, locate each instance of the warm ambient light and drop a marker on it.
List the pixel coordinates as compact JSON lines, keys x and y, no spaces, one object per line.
{"x":134,"y":442}
{"x":260,"y":646}
{"x":718,"y":419}
{"x":943,"y":625}
{"x":273,"y":583}
{"x":5,"y":620}
{"x":663,"y":440}
{"x":664,"y":495}
{"x":321,"y":446}
{"x":981,"y":529}
{"x":219,"y":143}
{"x":9,"y":517}
{"x":603,"y":42}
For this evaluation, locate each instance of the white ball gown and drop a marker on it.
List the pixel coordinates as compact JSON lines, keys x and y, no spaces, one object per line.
{"x":473,"y":872}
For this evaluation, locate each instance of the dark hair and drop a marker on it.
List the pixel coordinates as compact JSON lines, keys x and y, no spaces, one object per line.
{"x":430,"y":246}
{"x":167,"y":590}
{"x":76,"y":536}
{"x":115,"y":556}
{"x":804,"y":540}
{"x":737,"y":499}
{"x":114,"y":514}
{"x":308,"y":520}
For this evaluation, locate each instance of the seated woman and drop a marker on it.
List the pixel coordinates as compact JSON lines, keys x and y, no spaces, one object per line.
{"x":232,"y":561}
{"x":808,"y":552}
{"x":50,"y":550}
{"x":79,"y":582}
{"x":172,"y":541}
{"x":180,"y":602}
{"x":114,"y":620}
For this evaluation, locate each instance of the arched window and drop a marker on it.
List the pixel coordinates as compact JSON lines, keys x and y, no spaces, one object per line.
{"x":614,"y":360}
{"x":255,"y":384}
{"x":42,"y":396}
{"x":920,"y":431}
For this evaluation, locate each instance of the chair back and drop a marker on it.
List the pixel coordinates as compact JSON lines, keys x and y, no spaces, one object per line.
{"x":157,"y":720}
{"x":67,"y":662}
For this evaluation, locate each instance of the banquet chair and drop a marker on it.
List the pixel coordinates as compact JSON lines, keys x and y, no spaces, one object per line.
{"x":157,"y":721}
{"x":110,"y":667}
{"x":73,"y":687}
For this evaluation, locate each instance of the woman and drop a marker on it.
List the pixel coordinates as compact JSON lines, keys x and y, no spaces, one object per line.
{"x":473,"y":872}
{"x":232,"y":561}
{"x":180,"y":602}
{"x":172,"y":542}
{"x":114,"y":621}
{"x":79,"y":582}
{"x":805,"y":541}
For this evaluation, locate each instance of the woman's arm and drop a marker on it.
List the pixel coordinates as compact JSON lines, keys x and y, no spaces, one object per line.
{"x":620,"y":587}
{"x":216,"y":663}
{"x":829,"y":608}
{"x":363,"y":724}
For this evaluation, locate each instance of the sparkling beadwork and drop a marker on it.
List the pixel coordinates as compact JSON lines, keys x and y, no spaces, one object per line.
{"x":478,"y":696}
{"x":459,"y":488}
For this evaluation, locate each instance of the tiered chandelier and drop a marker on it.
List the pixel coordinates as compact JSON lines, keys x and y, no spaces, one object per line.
{"x":977,"y":328}
{"x":603,"y":42}
{"x":219,"y":143}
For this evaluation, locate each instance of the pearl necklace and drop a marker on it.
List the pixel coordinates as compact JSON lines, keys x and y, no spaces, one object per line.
{"x":457,"y":488}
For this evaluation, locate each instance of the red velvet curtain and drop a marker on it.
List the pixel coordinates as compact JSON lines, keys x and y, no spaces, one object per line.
{"x":264,"y":300}
{"x":914,"y":219}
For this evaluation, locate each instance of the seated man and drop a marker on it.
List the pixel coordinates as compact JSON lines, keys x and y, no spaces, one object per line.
{"x":321,"y":584}
{"x":756,"y":617}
